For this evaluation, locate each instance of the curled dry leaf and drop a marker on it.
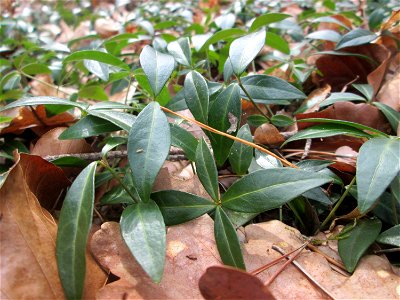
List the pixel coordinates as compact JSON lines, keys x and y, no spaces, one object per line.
{"x":222,"y":282}
{"x":268,"y":134}
{"x":106,"y":27}
{"x":316,"y":97}
{"x":191,"y":249}
{"x":28,"y":234}
{"x":389,"y":94}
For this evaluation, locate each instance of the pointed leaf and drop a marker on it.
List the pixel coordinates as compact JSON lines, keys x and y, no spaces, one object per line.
{"x":36,"y":68}
{"x":185,"y":140}
{"x":356,"y":37}
{"x":197,"y":96}
{"x":98,"y":56}
{"x":392,"y":115}
{"x":264,"y":89}
{"x":266,"y":19}
{"x":224,"y":115}
{"x":336,"y":97}
{"x":180,"y":50}
{"x":222,"y":35}
{"x":244,"y":49}
{"x":179,"y":207}
{"x":277,"y":42}
{"x":241,"y":155}
{"x":366,"y":89}
{"x":227,"y":240}
{"x":228,"y":70}
{"x":377,"y":166}
{"x":206,"y":169}
{"x":390,"y":236}
{"x":99,"y":69}
{"x":86,"y":127}
{"x":267,"y":189}
{"x":94,"y":92}
{"x":157,"y":66}
{"x":144,"y":232}
{"x":43,"y":100}
{"x":73,"y":230}
{"x":326,"y":35}
{"x":148,"y":147}
{"x":121,"y":119}
{"x":359,"y":239}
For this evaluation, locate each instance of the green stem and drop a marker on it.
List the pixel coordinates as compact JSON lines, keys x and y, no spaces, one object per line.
{"x":250,"y":98}
{"x":208,"y":65}
{"x":129,"y":87}
{"x":105,"y":164}
{"x":334,"y":209}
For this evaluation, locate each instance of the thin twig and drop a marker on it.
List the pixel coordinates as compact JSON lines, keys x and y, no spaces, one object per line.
{"x":329,"y":259}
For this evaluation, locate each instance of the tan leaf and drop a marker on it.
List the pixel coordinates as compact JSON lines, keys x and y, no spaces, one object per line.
{"x":269,"y":135}
{"x":27,"y":242}
{"x":106,"y":27}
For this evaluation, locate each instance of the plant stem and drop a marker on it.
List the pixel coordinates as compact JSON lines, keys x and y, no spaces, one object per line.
{"x":334,"y":209}
{"x":251,"y":99}
{"x":105,"y":164}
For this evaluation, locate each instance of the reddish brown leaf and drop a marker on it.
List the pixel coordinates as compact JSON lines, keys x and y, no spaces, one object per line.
{"x":268,"y":134}
{"x":221,"y":282}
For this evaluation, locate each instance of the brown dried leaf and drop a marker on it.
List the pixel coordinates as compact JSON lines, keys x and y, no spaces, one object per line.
{"x":222,"y":282}
{"x":106,"y":27}
{"x":316,"y":97}
{"x":268,"y":134}
{"x":191,"y":250}
{"x":27,"y":239}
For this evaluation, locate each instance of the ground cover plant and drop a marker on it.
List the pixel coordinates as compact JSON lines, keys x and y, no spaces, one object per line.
{"x":295,"y":107}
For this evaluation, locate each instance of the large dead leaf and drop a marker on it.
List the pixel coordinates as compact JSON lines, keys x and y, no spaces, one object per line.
{"x":27,"y":238}
{"x":191,"y":250}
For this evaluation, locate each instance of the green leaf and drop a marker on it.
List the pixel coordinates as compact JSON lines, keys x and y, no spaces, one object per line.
{"x":88,"y":126}
{"x":227,"y":240}
{"x":267,"y":19}
{"x":359,"y":239}
{"x":256,"y":120}
{"x":228,"y":71}
{"x":269,"y":90}
{"x":98,"y":56}
{"x":177,"y":102}
{"x":326,"y":35}
{"x":305,"y":215}
{"x":224,"y":116}
{"x":282,"y":120}
{"x":184,"y":140}
{"x":366,"y":89}
{"x":121,"y":119}
{"x":206,"y":169}
{"x":108,"y":105}
{"x":244,"y":49}
{"x":327,"y":19}
{"x":118,"y":194}
{"x":241,"y":155}
{"x":179,"y":207}
{"x":148,"y":147}
{"x":336,"y":97}
{"x":356,"y":37}
{"x":267,"y":189}
{"x":99,"y":69}
{"x":390,"y":236}
{"x":277,"y":42}
{"x":111,"y":143}
{"x":197,"y":96}
{"x":10,"y":81}
{"x":377,"y":166}
{"x":157,"y":66}
{"x":392,"y":115}
{"x":73,"y":230}
{"x":94,"y":92}
{"x":144,"y":232}
{"x":35,"y":68}
{"x":180,"y":50}
{"x":222,"y":35}
{"x":28,"y":101}
{"x":11,"y":95}
{"x":70,"y":161}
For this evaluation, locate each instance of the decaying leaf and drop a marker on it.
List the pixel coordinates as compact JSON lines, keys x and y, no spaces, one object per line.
{"x":269,"y":135}
{"x":27,"y":238}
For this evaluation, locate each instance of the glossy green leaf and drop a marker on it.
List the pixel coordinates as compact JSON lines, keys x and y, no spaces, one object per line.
{"x":70,"y":161}
{"x":314,"y":165}
{"x":390,"y":236}
{"x":305,"y":215}
{"x":256,"y":120}
{"x":157,"y":66}
{"x":179,"y":207}
{"x":108,"y":105}
{"x":366,"y":89}
{"x":94,"y":92}
{"x":206,"y":169}
{"x":73,"y":230}
{"x":327,"y":19}
{"x":118,"y":194}
{"x":244,"y":49}
{"x":111,"y":143}
{"x":97,"y":68}
{"x":267,"y":189}
{"x":10,"y":81}
{"x":240,"y":155}
{"x":325,"y":130}
{"x":148,"y":147}
{"x":266,"y":19}
{"x":88,"y":126}
{"x":222,"y":35}
{"x":268,"y":89}
{"x":183,"y":139}
{"x":356,"y":37}
{"x":28,"y":101}
{"x":144,"y":232}
{"x":392,"y":115}
{"x":377,"y":166}
{"x":227,"y":240}
{"x":177,"y":102}
{"x":228,"y":70}
{"x":197,"y":96}
{"x":36,"y":68}
{"x":121,"y":119}
{"x":98,"y":56}
{"x":337,"y":97}
{"x":326,"y":35}
{"x":282,"y":120}
{"x":388,"y":208}
{"x":357,"y":242}
{"x":180,"y":50}
{"x":12,"y":95}
{"x":277,"y":42}
{"x":224,"y":115}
